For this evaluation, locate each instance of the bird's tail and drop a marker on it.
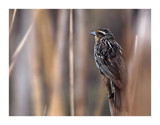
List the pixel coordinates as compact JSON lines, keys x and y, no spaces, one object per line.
{"x":117,"y":99}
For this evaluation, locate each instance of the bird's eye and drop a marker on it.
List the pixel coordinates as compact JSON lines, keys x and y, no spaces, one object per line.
{"x":100,"y":34}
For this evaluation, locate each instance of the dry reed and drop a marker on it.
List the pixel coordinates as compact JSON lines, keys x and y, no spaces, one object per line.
{"x":12,"y":22}
{"x":19,"y":48}
{"x":71,"y":62}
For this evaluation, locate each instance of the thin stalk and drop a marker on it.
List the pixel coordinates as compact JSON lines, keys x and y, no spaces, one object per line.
{"x":19,"y":48}
{"x":12,"y":22}
{"x":71,"y":63}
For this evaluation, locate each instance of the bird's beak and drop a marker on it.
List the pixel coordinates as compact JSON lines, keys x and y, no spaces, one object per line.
{"x":93,"y":33}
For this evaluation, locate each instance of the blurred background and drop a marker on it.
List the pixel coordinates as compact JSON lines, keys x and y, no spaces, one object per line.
{"x":39,"y":72}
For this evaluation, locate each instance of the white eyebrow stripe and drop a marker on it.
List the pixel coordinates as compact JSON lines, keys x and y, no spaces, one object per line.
{"x":102,"y":32}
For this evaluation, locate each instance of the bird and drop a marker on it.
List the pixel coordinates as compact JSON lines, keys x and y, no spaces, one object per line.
{"x":109,"y":58}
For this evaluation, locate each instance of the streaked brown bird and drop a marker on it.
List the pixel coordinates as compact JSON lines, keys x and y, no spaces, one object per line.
{"x":110,"y":62}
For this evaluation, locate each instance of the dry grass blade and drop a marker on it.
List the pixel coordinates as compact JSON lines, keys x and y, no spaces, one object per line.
{"x":13,"y":18}
{"x":19,"y":48}
{"x":71,"y":63}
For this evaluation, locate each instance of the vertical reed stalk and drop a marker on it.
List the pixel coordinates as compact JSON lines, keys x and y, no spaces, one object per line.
{"x":81,"y":62}
{"x":71,"y":62}
{"x":110,"y":100}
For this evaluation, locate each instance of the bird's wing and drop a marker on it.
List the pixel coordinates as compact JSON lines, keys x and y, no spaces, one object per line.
{"x":113,"y":69}
{"x":109,"y":66}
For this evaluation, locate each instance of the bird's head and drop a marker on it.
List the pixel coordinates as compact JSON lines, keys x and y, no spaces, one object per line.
{"x":100,"y":33}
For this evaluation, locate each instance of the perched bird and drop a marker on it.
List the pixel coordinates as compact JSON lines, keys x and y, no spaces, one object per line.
{"x":110,"y":62}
